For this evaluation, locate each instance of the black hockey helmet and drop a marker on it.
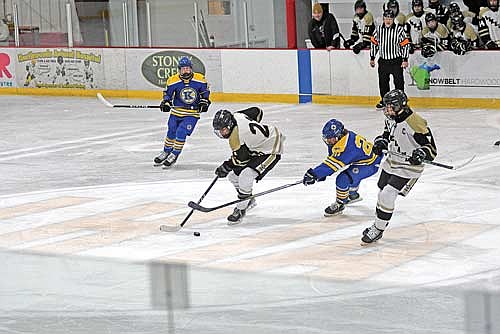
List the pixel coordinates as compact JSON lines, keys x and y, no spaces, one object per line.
{"x":430,"y":17}
{"x":396,"y":99}
{"x":388,"y":13}
{"x":457,"y":20}
{"x":223,"y":119}
{"x":419,"y":3}
{"x":392,"y":5}
{"x":454,"y":7}
{"x":492,"y":4}
{"x":360,"y":4}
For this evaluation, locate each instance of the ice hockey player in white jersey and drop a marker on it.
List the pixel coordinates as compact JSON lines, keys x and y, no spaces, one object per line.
{"x":489,"y":25}
{"x":256,"y":148}
{"x":405,"y":134}
{"x":415,"y":22}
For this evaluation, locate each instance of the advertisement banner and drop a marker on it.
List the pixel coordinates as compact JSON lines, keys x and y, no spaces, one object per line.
{"x":150,"y":69}
{"x":451,"y":75}
{"x":60,"y":68}
{"x":7,"y":69}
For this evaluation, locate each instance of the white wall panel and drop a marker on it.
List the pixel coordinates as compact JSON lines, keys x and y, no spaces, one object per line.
{"x":260,"y":71}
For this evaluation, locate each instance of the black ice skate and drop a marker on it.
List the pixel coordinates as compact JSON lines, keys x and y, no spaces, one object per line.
{"x":161,"y":158}
{"x":170,"y":160}
{"x":353,"y":198}
{"x":236,"y":217}
{"x":334,"y":209}
{"x":371,"y":234}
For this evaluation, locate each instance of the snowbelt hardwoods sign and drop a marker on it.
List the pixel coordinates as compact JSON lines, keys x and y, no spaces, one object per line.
{"x":158,"y":67}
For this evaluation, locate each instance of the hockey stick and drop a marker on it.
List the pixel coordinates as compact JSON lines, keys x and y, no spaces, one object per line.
{"x":197,"y":206}
{"x":438,"y":164}
{"x":109,"y":104}
{"x":168,"y":228}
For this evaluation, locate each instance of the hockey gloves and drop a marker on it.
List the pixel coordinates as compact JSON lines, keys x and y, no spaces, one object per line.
{"x":348,"y":43}
{"x":417,"y":156}
{"x":380,"y":144}
{"x":223,"y":169}
{"x":165,"y":106}
{"x":309,"y":177}
{"x":203,"y":105}
{"x":357,"y":48}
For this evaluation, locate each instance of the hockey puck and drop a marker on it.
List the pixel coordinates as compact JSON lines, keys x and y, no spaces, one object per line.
{"x":196,"y":234}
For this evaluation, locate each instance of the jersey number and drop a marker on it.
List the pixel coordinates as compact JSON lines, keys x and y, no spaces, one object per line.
{"x":262,"y":128}
{"x":364,"y":144}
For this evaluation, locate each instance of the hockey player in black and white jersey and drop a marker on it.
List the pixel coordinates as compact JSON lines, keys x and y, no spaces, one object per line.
{"x":435,"y":36}
{"x":362,"y":29}
{"x":441,"y":11}
{"x":489,"y":25}
{"x":415,"y":22}
{"x":463,"y":38}
{"x":256,"y":148}
{"x":405,"y":133}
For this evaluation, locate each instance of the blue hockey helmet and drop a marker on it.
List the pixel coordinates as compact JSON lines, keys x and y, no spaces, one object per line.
{"x":185,"y":62}
{"x":333,"y":129}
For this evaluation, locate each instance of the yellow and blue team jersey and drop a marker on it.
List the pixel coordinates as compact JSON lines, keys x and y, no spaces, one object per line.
{"x":185,"y":94}
{"x":351,"y":149}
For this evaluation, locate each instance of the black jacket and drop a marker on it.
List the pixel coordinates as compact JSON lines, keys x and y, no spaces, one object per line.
{"x":325,"y":32}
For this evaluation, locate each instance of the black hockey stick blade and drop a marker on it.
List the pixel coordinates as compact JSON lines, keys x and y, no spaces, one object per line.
{"x":197,"y":206}
{"x":176,"y":228}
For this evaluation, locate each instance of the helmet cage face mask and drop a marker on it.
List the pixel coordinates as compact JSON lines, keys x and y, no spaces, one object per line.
{"x":223,"y":124}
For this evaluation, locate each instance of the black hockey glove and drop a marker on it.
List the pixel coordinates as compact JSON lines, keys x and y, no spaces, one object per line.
{"x":348,"y":43}
{"x":490,"y":45}
{"x":357,"y":48}
{"x":223,"y":169}
{"x":412,"y":48}
{"x":417,"y":156}
{"x":203,"y":105}
{"x":165,"y":106}
{"x":380,"y":144}
{"x":309,"y":177}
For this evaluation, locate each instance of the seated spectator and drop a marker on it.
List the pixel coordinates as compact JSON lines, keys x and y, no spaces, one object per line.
{"x":363,"y":26}
{"x":323,"y":29}
{"x":435,"y":36}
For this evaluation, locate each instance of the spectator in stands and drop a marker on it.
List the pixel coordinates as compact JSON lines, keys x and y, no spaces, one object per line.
{"x":4,"y":33}
{"x":363,"y":27}
{"x":323,"y":29}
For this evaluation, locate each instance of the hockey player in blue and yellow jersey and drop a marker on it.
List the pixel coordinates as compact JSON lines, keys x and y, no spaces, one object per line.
{"x":186,"y":96}
{"x":349,"y":152}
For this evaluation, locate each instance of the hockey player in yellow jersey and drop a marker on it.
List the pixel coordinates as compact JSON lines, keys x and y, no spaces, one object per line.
{"x":256,"y":149}
{"x":406,"y":134}
{"x":186,"y":96}
{"x":489,"y":25}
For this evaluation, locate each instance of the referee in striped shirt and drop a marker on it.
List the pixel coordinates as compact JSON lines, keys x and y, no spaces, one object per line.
{"x":390,"y":40}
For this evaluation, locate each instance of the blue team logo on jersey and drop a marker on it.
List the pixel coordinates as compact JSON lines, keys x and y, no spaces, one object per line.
{"x":188,"y":95}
